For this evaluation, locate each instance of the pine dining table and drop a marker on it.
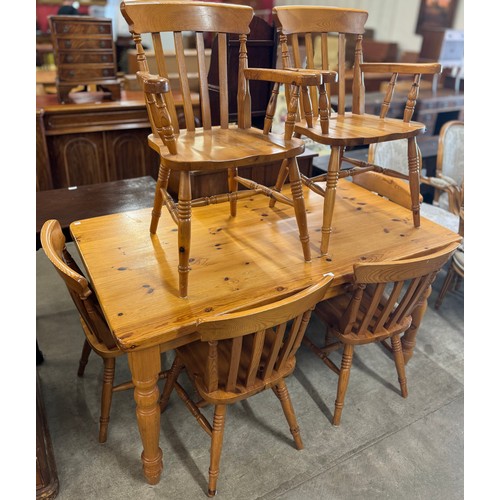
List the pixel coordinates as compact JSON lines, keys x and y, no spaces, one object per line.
{"x":236,"y":263}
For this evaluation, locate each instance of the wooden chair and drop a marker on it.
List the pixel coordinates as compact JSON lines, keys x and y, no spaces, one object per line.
{"x":344,"y":129}
{"x":377,"y":306}
{"x":449,"y":175}
{"x":241,"y":354}
{"x":210,"y":148}
{"x":393,"y":155}
{"x":98,"y":337}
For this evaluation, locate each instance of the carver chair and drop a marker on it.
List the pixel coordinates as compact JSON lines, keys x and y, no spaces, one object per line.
{"x":210,"y":148}
{"x":98,"y":337}
{"x":377,"y":305}
{"x":241,"y":354}
{"x":450,"y":172}
{"x":343,"y":129}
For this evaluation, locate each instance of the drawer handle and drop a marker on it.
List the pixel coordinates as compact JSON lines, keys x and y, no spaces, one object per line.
{"x":102,"y":43}
{"x":65,"y":28}
{"x":69,"y":59}
{"x":67,"y":44}
{"x":104,"y":58}
{"x":71,"y":73}
{"x":106,"y":72}
{"x":101,"y":29}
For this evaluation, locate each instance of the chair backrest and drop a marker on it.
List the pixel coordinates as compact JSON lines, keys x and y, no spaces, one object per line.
{"x":310,"y":22}
{"x":384,"y":295}
{"x":54,"y":245}
{"x":161,"y":17}
{"x":450,"y":155}
{"x":247,"y":347}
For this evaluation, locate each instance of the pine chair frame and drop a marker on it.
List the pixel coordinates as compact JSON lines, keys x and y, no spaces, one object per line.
{"x":345,"y":129}
{"x":241,"y":354}
{"x":98,"y":337}
{"x":377,"y":306}
{"x":226,"y":146}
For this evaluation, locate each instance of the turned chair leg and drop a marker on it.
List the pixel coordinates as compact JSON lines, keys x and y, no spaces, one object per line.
{"x":107,"y":393}
{"x":84,"y":358}
{"x":414,"y":180}
{"x":332,"y":178}
{"x":299,"y":207}
{"x":216,"y":448}
{"x":283,"y":395}
{"x":172,"y":375}
{"x":280,"y":181}
{"x":161,"y":183}
{"x":445,"y":287}
{"x":397,"y":352}
{"x":184,"y":235}
{"x":345,"y":370}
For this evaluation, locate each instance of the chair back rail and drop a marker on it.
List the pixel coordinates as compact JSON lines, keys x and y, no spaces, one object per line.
{"x":54,"y":245}
{"x":247,"y":345}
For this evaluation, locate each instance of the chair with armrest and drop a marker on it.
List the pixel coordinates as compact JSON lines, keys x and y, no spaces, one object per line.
{"x":449,"y":175}
{"x":344,"y":129}
{"x":227,"y":146}
{"x":98,"y":337}
{"x":241,"y":354}
{"x":378,"y":305}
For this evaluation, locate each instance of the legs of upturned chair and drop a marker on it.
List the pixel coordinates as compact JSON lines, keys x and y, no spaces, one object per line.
{"x":332,"y":179}
{"x":161,"y":183}
{"x":414,"y":179}
{"x":216,"y":448}
{"x":84,"y":358}
{"x":184,"y":226}
{"x":282,"y":394}
{"x":107,"y":392}
{"x":446,"y":284}
{"x":345,"y":370}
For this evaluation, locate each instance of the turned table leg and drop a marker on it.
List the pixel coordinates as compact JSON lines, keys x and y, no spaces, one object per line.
{"x":145,"y":366}
{"x":408,"y":339}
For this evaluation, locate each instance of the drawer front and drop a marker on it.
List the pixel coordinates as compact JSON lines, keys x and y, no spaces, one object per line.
{"x":86,"y":58}
{"x":86,"y":73}
{"x":82,"y":28}
{"x":85,"y":44}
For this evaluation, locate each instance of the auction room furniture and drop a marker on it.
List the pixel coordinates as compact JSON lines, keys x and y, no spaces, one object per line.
{"x":98,"y":337}
{"x":378,"y":305}
{"x":84,"y":53}
{"x":449,"y":166}
{"x":241,"y":354}
{"x":239,"y":265}
{"x":347,"y":129}
{"x":227,"y":146}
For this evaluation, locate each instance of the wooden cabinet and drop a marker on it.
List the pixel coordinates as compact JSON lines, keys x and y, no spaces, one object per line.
{"x":80,"y":144}
{"x":84,"y":54}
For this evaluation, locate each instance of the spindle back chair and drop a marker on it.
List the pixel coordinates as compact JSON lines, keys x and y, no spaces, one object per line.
{"x":343,"y":129}
{"x":378,"y":305}
{"x":241,"y":354}
{"x":226,"y":146}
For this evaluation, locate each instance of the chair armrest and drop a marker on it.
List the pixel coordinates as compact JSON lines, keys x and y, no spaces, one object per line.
{"x":154,"y":84}
{"x":299,"y":77}
{"x":403,"y":68}
{"x":442,"y":183}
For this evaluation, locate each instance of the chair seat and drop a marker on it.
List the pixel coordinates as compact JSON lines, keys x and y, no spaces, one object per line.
{"x":440,"y":216}
{"x":356,"y":130}
{"x":222,"y":148}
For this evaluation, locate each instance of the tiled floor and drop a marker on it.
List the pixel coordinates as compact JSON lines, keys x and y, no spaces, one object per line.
{"x":385,"y":448}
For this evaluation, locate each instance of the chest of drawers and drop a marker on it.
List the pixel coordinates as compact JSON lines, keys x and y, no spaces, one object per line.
{"x":84,"y":54}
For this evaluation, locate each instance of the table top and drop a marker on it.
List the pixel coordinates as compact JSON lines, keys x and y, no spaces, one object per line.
{"x":236,"y":262}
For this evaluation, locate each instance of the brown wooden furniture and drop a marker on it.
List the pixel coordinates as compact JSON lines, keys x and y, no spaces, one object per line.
{"x":347,"y":129}
{"x":98,"y":337}
{"x":47,"y":482}
{"x":225,"y":147}
{"x":82,"y":202}
{"x":449,"y":175}
{"x":84,"y":53}
{"x":235,"y":261}
{"x":378,"y":305}
{"x":239,"y":355}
